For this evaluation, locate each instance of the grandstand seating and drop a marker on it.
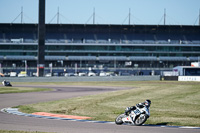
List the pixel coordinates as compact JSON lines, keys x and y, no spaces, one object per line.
{"x":141,"y":44}
{"x":103,"y":34}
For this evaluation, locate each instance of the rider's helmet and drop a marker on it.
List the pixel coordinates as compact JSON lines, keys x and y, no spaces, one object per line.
{"x":147,"y":102}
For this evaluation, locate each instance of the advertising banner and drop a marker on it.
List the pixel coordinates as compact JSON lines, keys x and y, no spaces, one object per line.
{"x":188,"y":78}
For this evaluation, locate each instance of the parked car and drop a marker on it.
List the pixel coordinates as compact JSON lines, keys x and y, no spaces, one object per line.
{"x":102,"y":73}
{"x":13,"y":74}
{"x":92,"y":74}
{"x":22,"y":74}
{"x":48,"y":75}
{"x":69,"y":74}
{"x":56,"y":74}
{"x":82,"y":74}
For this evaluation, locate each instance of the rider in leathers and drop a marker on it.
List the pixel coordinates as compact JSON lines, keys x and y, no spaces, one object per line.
{"x":139,"y":105}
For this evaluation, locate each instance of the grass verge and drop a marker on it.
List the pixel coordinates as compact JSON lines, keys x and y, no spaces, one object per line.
{"x":12,"y":131}
{"x":173,"y":103}
{"x":4,"y":90}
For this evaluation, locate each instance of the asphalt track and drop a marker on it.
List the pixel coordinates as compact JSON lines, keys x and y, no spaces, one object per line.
{"x":23,"y":123}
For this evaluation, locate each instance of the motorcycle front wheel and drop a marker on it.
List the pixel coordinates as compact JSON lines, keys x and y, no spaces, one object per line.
{"x":141,"y":119}
{"x":118,"y":120}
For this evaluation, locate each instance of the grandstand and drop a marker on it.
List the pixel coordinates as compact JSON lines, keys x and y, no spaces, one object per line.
{"x":144,"y":47}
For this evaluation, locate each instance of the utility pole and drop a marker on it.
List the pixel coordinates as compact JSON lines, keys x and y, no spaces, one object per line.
{"x":199,"y":17}
{"x":94,"y":16}
{"x":41,"y":39}
{"x":22,"y":14}
{"x":129,"y":22}
{"x":58,"y":14}
{"x":164,"y":16}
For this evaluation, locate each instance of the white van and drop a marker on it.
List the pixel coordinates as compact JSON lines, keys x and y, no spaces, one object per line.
{"x":13,"y":74}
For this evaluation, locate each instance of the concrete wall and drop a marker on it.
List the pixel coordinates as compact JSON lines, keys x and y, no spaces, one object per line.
{"x":80,"y":79}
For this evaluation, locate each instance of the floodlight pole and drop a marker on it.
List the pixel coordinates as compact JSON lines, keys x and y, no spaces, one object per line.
{"x":164,"y":16}
{"x":41,"y":39}
{"x":58,"y":14}
{"x":22,"y":14}
{"x":199,"y":17}
{"x":94,"y":16}
{"x":129,"y":22}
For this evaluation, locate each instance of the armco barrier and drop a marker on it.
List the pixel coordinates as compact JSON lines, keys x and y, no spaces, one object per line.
{"x":80,"y":79}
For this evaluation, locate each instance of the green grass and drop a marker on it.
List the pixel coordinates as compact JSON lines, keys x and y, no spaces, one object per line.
{"x":4,"y":90}
{"x":12,"y":131}
{"x":173,"y":103}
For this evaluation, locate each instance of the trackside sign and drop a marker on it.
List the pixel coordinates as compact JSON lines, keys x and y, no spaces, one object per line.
{"x":188,"y":78}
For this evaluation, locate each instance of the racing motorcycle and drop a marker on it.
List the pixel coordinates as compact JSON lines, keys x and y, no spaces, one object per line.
{"x":6,"y":83}
{"x":136,"y":117}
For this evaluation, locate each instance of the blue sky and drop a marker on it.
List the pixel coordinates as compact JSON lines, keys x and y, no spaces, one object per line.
{"x":179,"y":12}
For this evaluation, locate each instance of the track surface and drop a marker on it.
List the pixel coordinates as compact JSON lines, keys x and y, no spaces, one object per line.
{"x":15,"y":122}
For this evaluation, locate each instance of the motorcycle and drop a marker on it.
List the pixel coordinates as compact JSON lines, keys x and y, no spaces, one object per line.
{"x":136,"y":117}
{"x":6,"y":83}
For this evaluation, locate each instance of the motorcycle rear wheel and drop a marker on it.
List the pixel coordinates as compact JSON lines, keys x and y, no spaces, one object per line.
{"x":118,"y":120}
{"x":141,"y":119}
